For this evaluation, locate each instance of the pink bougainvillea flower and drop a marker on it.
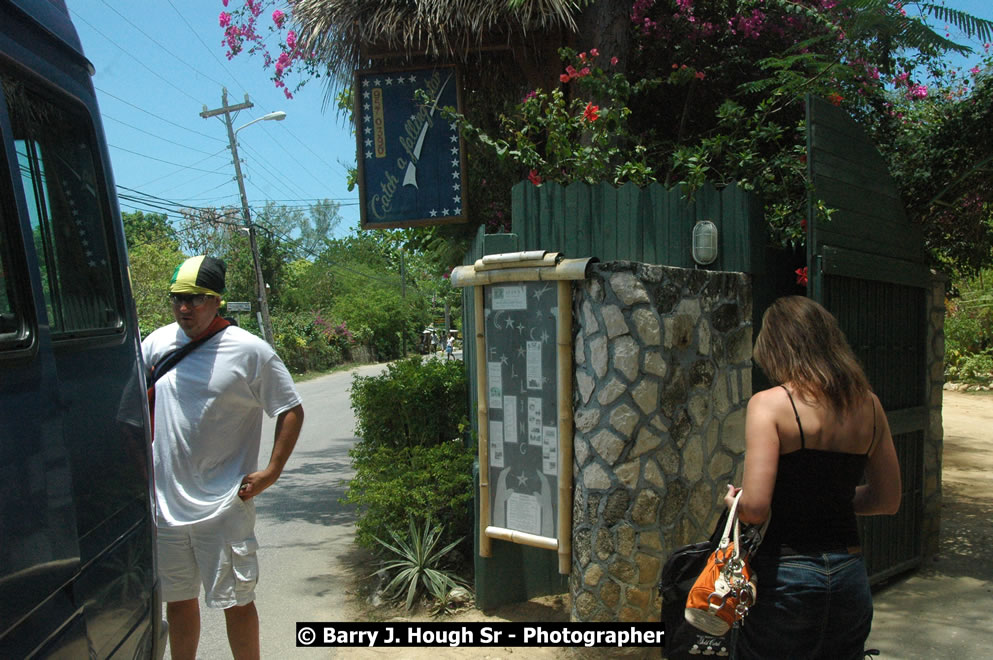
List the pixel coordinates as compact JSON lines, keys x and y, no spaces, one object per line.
{"x":534,"y":178}
{"x":585,"y":71}
{"x":613,"y":61}
{"x":700,"y":75}
{"x":974,"y":70}
{"x":278,"y":17}
{"x":224,"y":2}
{"x":592,"y":112}
{"x":835,"y":98}
{"x":291,"y":39}
{"x":594,"y":52}
{"x":564,"y":78}
{"x":801,"y":276}
{"x":224,"y":19}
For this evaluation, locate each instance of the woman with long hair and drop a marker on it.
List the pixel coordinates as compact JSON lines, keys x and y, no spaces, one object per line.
{"x":809,"y":440}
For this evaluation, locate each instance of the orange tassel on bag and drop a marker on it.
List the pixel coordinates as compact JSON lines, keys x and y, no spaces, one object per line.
{"x":726,"y":587}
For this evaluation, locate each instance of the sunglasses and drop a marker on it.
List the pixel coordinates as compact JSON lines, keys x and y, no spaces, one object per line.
{"x":192,"y":299}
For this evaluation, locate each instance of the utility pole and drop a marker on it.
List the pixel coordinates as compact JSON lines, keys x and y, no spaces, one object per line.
{"x":226,"y":110}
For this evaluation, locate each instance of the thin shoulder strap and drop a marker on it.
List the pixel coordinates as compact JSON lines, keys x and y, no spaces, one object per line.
{"x":797,"y":415}
{"x":872,"y":443}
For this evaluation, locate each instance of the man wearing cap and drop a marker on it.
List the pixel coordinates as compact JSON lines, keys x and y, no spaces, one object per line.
{"x":207,"y":412}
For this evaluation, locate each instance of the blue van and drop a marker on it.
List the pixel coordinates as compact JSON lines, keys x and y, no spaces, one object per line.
{"x":77,"y":565}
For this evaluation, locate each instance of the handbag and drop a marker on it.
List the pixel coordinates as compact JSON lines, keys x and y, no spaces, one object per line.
{"x":726,"y":587}
{"x":682,"y":640}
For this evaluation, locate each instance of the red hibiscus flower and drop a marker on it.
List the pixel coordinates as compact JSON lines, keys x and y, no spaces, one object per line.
{"x":592,"y":112}
{"x":801,"y":276}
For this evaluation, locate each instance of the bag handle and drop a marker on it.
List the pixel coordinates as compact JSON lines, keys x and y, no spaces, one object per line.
{"x":733,"y":526}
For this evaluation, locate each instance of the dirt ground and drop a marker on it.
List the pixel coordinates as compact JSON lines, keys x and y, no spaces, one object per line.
{"x":966,"y":536}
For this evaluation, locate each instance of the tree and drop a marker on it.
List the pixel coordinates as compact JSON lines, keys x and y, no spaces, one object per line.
{"x":722,"y":96}
{"x":153,"y":254}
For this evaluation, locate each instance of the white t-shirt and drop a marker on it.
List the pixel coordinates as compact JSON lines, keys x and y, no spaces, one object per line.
{"x":208,"y":418}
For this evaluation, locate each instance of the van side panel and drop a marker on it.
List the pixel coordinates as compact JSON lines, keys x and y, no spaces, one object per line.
{"x":76,"y":529}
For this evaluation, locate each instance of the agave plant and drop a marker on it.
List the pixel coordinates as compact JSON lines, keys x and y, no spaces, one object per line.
{"x":416,"y":562}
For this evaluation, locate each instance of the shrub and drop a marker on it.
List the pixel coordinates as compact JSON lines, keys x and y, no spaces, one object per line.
{"x":414,"y":403}
{"x":393,"y":487}
{"x":410,"y":464}
{"x":307,"y":342}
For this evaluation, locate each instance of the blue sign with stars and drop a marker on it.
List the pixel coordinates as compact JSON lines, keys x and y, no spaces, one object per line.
{"x":410,"y":157}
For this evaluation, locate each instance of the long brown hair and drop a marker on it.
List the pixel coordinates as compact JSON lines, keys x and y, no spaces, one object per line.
{"x":801,"y":343}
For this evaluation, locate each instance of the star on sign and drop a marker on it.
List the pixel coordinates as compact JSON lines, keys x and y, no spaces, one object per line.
{"x":389,"y":81}
{"x":522,"y":480}
{"x":365,"y":83}
{"x":412,"y":78}
{"x":444,"y":211}
{"x":456,"y":199}
{"x":368,"y":142}
{"x":434,"y":213}
{"x":376,"y":82}
{"x":366,"y":93}
{"x":454,"y":138}
{"x":510,"y":323}
{"x":504,"y":359}
{"x":455,"y":150}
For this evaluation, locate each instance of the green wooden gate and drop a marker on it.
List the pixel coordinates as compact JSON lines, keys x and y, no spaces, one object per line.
{"x":867,"y":265}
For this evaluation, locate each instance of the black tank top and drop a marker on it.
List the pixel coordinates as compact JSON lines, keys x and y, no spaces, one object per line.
{"x":812,"y":508}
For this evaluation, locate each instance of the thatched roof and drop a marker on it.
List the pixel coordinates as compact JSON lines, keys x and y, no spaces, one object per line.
{"x":346,"y":33}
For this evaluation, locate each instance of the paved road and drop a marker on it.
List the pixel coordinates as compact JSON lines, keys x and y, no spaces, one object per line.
{"x":305,"y":534}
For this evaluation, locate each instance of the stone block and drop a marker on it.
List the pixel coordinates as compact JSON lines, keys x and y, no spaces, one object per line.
{"x":580,"y":350}
{"x":598,"y":356}
{"x":625,"y":540}
{"x":611,"y":391}
{"x":628,"y":473}
{"x":616,"y":507}
{"x":623,"y":570}
{"x":586,"y":385}
{"x":647,"y":441}
{"x":590,"y":324}
{"x":595,"y":477}
{"x":628,"y":289}
{"x":646,"y":324}
{"x":693,"y":458}
{"x":608,"y":444}
{"x":586,"y":419}
{"x":613,"y":321}
{"x":646,"y":508}
{"x":593,"y":575}
{"x":626,"y":357}
{"x":649,"y":568}
{"x":678,"y":333}
{"x":646,"y":395}
{"x":610,"y":593}
{"x":655,"y":364}
{"x":604,"y":547}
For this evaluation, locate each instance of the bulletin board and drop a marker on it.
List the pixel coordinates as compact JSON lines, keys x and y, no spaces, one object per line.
{"x":523,"y":339}
{"x":522,"y":399}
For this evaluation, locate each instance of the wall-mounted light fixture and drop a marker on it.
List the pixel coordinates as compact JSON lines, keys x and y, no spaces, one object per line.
{"x":704,"y":242}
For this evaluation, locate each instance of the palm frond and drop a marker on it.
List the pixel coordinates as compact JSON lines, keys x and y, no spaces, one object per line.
{"x":971,"y":26}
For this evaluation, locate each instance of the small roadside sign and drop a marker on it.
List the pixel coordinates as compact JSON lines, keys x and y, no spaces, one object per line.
{"x":239,"y":306}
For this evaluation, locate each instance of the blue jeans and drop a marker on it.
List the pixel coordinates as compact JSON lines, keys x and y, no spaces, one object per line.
{"x":807,"y":606}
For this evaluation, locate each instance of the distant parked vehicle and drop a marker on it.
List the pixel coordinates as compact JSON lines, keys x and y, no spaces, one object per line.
{"x":77,"y":566}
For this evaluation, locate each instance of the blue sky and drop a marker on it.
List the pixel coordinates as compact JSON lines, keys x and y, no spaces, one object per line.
{"x":158,"y":63}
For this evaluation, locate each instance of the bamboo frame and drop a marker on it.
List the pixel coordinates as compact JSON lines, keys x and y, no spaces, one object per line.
{"x":483,"y":411}
{"x":564,"y":386}
{"x":527,"y":267}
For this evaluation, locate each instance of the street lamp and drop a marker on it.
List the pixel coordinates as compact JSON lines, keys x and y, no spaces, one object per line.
{"x":259,"y":279}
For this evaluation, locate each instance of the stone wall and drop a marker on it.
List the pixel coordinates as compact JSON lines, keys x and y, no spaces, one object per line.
{"x":662,"y":378}
{"x":934,"y":434}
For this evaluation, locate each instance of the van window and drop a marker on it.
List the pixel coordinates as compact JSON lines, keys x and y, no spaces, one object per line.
{"x":68,"y":217}
{"x":10,"y":321}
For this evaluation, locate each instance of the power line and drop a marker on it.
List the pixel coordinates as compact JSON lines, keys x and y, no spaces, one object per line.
{"x":167,"y":162}
{"x":76,"y":16}
{"x":142,"y":130}
{"x":185,"y":128}
{"x":152,"y":39}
